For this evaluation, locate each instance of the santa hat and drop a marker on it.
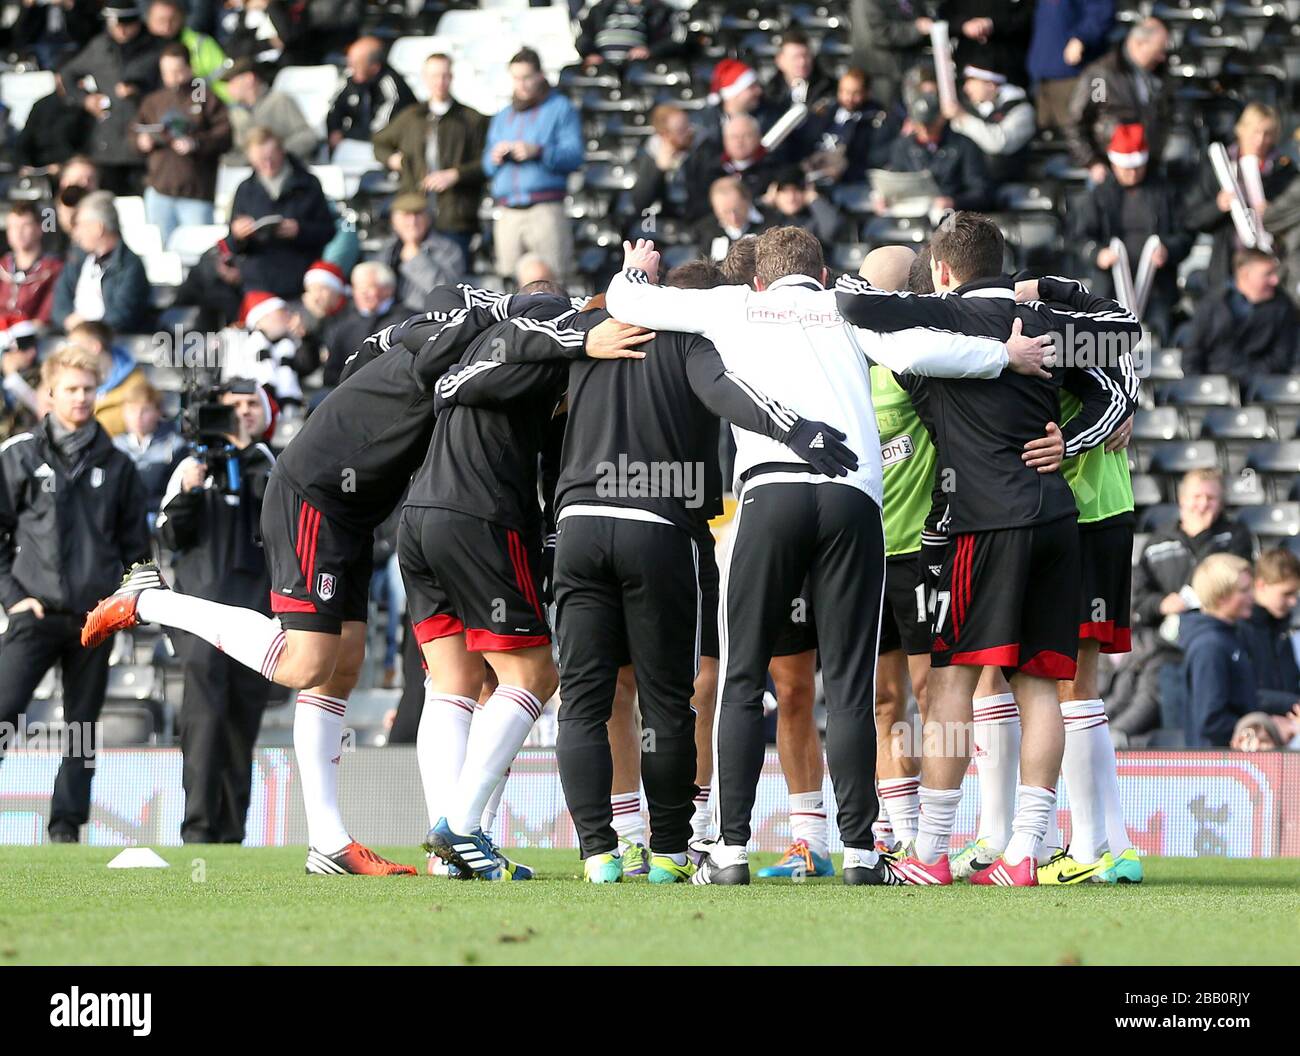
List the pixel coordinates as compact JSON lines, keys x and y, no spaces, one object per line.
{"x":323,"y":273}
{"x":730,"y":78}
{"x":257,"y":305}
{"x":15,"y":328}
{"x":1128,"y":147}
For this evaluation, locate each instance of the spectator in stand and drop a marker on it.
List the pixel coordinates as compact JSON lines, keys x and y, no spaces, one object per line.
{"x":20,"y":377}
{"x":530,"y":269}
{"x":740,"y":154}
{"x":56,"y":129}
{"x":253,"y":104}
{"x":1120,"y":88}
{"x":1132,"y":205}
{"x":1251,"y":328}
{"x":1219,"y":676}
{"x":108,"y":79}
{"x":78,"y":176}
{"x":928,"y":144}
{"x":212,"y":523}
{"x":324,"y":293}
{"x":374,"y":306}
{"x":72,"y":520}
{"x":990,"y":34}
{"x":117,"y":367}
{"x":52,"y":30}
{"x":798,"y":78}
{"x":1162,"y":595}
{"x":998,"y":117}
{"x":734,"y":89}
{"x":215,"y":286}
{"x":792,"y":200}
{"x":437,"y":149}
{"x":847,"y":136}
{"x":188,"y":131}
{"x":661,"y":189}
{"x":419,"y":256}
{"x":1067,"y":34}
{"x":733,"y":217}
{"x":27,"y":273}
{"x":165,"y":20}
{"x":328,"y":27}
{"x":1267,"y":633}
{"x":888,"y":40}
{"x":276,"y":256}
{"x":101,"y":280}
{"x":370,"y":98}
{"x":262,"y":346}
{"x":153,"y":444}
{"x":532,"y":146}
{"x":623,"y":31}
{"x":1259,"y":732}
{"x":1208,"y":206}
{"x":255,"y":29}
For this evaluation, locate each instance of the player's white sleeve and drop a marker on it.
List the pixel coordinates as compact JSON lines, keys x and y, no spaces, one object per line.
{"x":633,"y":299}
{"x":934,"y":353}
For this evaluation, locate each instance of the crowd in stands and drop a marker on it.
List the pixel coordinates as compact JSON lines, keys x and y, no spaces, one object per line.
{"x":173,"y":175}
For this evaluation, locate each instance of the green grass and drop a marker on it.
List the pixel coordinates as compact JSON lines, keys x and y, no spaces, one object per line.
{"x":230,"y":905}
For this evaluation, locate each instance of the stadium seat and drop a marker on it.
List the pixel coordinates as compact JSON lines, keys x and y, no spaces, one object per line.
{"x":313,"y":88}
{"x":895,"y":231}
{"x":1140,"y":540}
{"x":1194,"y":394}
{"x":1279,"y":520}
{"x":19,"y":91}
{"x":1278,"y":463}
{"x":1176,"y":457}
{"x":1158,"y":423}
{"x":229,"y":177}
{"x":143,"y":239}
{"x":1146,"y":490}
{"x":407,"y":54}
{"x":191,"y":241}
{"x":1246,"y":488}
{"x":1155,"y":518}
{"x":681,"y":253}
{"x":1236,"y":429}
{"x":163,"y":268}
{"x":130,"y":214}
{"x":1280,"y":393}
{"x":847,"y":256}
{"x":1167,"y":365}
{"x":332,"y":181}
{"x":609,"y":178}
{"x":1025,"y":197}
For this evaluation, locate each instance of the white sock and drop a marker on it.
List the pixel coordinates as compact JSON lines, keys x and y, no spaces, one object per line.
{"x":244,"y":635}
{"x":855,"y":857}
{"x":440,"y":747}
{"x":629,"y":823}
{"x":997,"y":761}
{"x":1052,"y":841}
{"x":318,"y":744}
{"x":934,"y":824}
{"x":702,"y":819}
{"x":808,"y":821}
{"x":882,"y":831}
{"x":678,"y":858}
{"x":1106,"y":770}
{"x":494,"y":804}
{"x":1085,"y":722}
{"x":1032,"y":810}
{"x":901,"y":799}
{"x":498,"y":732}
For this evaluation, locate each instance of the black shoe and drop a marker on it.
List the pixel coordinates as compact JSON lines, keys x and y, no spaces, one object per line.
{"x":708,"y":871}
{"x":878,"y":875}
{"x":64,"y":836}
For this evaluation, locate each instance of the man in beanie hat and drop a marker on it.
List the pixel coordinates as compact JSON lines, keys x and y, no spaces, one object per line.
{"x":1133,"y":204}
{"x":998,"y":116}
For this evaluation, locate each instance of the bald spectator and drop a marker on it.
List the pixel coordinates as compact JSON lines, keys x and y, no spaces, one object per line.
{"x":437,"y":149}
{"x":733,"y":217}
{"x":372,"y":96}
{"x":254,"y":104}
{"x":1120,"y":88}
{"x":102,"y":280}
{"x":1252,"y":328}
{"x":1067,"y":34}
{"x":373,"y":306}
{"x":661,"y":184}
{"x":420,"y":257}
{"x":740,"y":154}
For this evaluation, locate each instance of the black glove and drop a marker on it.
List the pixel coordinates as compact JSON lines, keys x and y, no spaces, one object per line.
{"x":822,"y":447}
{"x":548,"y":570}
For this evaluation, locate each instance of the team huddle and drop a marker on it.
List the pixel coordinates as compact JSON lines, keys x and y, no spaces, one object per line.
{"x":927,"y":489}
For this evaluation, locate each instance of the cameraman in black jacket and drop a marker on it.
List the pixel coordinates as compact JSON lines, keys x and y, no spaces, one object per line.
{"x":72,"y":518}
{"x":210,"y":518}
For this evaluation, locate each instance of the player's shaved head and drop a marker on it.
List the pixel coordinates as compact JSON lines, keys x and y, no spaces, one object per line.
{"x":887,"y":267}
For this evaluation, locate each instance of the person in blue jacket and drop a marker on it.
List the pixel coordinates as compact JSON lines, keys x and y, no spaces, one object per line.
{"x":532,"y":146}
{"x":1067,"y":35}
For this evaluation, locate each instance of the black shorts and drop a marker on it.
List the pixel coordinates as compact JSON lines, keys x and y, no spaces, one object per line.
{"x":320,"y":570}
{"x":1002,"y":600}
{"x":465,"y":574}
{"x":1106,"y":560}
{"x":799,"y":632}
{"x":710,"y":594}
{"x":906,"y":621}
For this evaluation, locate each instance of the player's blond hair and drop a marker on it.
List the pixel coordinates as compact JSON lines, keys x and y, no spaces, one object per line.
{"x":1216,"y":577}
{"x":70,"y":356}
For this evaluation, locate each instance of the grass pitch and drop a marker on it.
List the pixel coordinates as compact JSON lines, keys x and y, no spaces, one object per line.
{"x":231,"y":905}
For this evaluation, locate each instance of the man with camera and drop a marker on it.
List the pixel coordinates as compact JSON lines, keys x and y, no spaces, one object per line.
{"x":72,"y":518}
{"x":209,"y":517}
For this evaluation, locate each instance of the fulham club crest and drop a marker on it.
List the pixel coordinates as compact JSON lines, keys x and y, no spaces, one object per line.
{"x":325,"y":586}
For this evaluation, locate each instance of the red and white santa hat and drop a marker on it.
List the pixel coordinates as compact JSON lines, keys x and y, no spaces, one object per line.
{"x":1128,"y":147}
{"x":323,"y":273}
{"x":730,"y":78}
{"x":14,"y":328}
{"x":257,"y":305}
